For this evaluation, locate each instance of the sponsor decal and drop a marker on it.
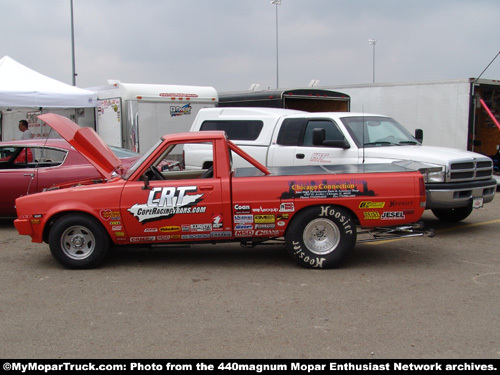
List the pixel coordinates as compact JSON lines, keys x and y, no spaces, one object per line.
{"x":150,"y":230}
{"x":243,"y":218}
{"x":116,"y":227}
{"x":170,"y":228}
{"x":370,"y":204}
{"x":163,"y":237}
{"x":195,"y":236}
{"x":261,"y":219}
{"x":282,"y":217}
{"x":242,"y":208}
{"x":217,"y":222}
{"x":371,"y":215}
{"x":109,"y":214}
{"x":221,"y":234}
{"x":165,"y":202}
{"x":243,"y":226}
{"x":117,"y":222}
{"x":244,"y":233}
{"x":142,"y":239}
{"x":400,"y":204}
{"x":393,"y":215}
{"x":280,"y":223}
{"x":287,"y":207}
{"x":320,"y":157}
{"x":260,"y":209}
{"x":327,"y":189}
{"x":176,"y":110}
{"x":265,"y":226}
{"x":200,"y":227}
{"x":268,"y":233}
{"x":119,"y":234}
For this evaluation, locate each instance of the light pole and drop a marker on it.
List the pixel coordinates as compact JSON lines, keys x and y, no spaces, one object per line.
{"x":73,"y":45}
{"x":373,"y":42}
{"x":277,"y":2}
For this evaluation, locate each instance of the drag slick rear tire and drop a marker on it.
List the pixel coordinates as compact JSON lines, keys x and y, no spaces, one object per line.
{"x":78,"y":241}
{"x":321,"y":236}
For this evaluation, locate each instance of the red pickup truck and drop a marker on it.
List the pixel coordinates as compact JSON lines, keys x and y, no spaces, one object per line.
{"x":315,"y":210}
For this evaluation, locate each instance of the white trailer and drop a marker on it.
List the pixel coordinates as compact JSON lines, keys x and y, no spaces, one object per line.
{"x":135,"y":116}
{"x":451,"y":113}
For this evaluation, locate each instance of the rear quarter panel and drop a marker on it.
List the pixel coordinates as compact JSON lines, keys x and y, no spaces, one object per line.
{"x":265,"y":205}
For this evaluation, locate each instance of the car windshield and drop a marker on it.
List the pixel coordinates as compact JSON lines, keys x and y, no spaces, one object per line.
{"x":123,"y":152}
{"x":139,"y":161}
{"x":376,"y":131}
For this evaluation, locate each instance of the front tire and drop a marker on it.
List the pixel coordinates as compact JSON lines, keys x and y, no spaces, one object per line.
{"x":452,"y":215}
{"x":321,"y":237}
{"x":78,"y":241}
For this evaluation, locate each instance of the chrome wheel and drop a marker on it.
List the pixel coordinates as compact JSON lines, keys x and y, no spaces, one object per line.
{"x":321,"y":236}
{"x":77,"y":242}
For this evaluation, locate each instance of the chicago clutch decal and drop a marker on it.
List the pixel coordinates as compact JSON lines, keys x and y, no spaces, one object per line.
{"x":165,"y":202}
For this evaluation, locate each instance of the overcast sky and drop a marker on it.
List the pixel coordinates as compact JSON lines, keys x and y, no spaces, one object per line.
{"x":231,"y":44}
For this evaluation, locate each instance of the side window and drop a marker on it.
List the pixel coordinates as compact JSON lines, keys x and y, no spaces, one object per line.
{"x":291,"y":132}
{"x":48,"y":157}
{"x":171,"y":165}
{"x":243,"y":130}
{"x":332,"y":131}
{"x":6,"y":153}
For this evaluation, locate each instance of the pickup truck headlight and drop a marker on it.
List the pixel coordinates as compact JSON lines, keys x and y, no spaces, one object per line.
{"x":433,"y":175}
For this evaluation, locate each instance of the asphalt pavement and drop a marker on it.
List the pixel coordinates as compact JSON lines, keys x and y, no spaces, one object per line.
{"x":410,"y":298}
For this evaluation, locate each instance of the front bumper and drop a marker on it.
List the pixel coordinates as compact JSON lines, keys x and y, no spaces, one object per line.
{"x":459,"y":194}
{"x":30,"y":227}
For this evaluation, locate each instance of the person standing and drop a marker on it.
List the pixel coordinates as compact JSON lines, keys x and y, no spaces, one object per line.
{"x":23,"y":127}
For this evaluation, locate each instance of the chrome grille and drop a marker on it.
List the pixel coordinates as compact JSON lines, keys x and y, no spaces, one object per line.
{"x":471,"y":170}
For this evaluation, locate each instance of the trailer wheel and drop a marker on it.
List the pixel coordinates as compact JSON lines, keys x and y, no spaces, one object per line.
{"x":78,"y":241}
{"x":452,"y":215}
{"x":321,"y":237}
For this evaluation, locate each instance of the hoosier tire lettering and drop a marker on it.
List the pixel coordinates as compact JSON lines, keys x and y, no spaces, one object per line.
{"x":321,"y":236}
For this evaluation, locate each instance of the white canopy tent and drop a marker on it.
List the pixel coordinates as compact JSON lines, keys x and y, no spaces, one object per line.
{"x":25,"y":93}
{"x":21,"y":86}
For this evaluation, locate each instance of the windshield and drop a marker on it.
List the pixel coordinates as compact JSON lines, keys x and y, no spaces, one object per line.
{"x":123,"y":153}
{"x":376,"y":131}
{"x":141,"y":160}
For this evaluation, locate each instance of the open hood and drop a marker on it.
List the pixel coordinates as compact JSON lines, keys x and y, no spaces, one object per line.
{"x":86,"y":141}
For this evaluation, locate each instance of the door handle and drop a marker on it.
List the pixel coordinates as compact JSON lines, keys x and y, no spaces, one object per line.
{"x":206,"y":187}
{"x":32,"y":175}
{"x":300,"y":156}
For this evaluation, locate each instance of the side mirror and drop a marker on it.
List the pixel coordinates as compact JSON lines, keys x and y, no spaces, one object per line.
{"x":319,"y":139}
{"x":337,"y":144}
{"x":419,"y":135}
{"x":318,"y":136}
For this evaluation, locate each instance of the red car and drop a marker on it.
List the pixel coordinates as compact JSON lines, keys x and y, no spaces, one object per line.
{"x":30,"y":166}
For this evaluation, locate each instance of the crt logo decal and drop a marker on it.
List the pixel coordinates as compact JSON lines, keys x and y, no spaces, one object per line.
{"x":165,"y":202}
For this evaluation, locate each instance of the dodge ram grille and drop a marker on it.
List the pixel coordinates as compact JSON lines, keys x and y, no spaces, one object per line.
{"x":471,"y":170}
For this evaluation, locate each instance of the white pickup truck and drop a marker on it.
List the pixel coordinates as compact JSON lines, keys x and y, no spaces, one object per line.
{"x":456,"y":181}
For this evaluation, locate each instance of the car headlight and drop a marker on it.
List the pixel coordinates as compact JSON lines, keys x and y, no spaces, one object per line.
{"x":433,"y":175}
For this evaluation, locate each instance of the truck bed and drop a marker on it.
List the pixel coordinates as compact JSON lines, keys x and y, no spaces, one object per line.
{"x":321,"y":169}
